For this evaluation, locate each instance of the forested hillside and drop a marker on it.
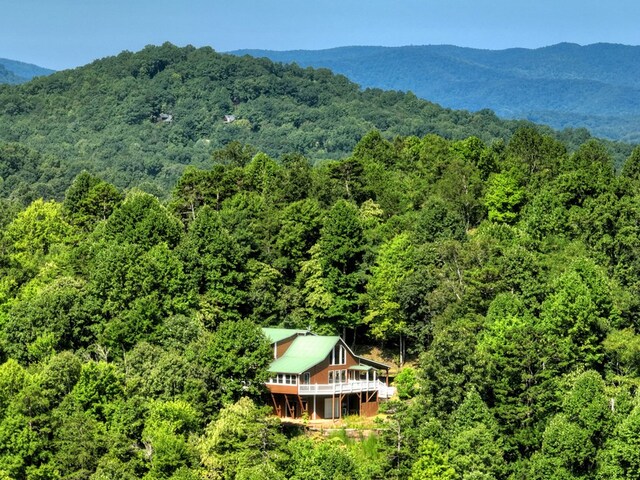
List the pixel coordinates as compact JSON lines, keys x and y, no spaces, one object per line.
{"x":138,"y":119}
{"x":507,"y":272}
{"x":565,"y":85}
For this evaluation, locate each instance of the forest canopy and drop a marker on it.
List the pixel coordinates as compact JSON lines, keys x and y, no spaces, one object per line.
{"x":158,"y":208}
{"x":506,"y":273}
{"x":139,"y":119}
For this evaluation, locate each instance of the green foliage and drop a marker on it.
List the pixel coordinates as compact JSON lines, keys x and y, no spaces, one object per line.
{"x":241,"y":439}
{"x":432,"y":464}
{"x":130,"y":328}
{"x":503,"y":198}
{"x":237,"y":357}
{"x":406,"y":383}
{"x":107,"y":118}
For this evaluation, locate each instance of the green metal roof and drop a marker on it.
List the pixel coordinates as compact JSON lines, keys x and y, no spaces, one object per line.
{"x":373,"y":363}
{"x":277,"y":334}
{"x":304,"y":353}
{"x":362,"y":368}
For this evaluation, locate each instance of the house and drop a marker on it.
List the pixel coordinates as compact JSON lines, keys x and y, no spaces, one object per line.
{"x":321,"y":377}
{"x":164,"y":117}
{"x":229,"y":118}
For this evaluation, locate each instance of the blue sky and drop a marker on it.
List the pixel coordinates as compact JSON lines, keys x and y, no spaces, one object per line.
{"x":67,"y":33}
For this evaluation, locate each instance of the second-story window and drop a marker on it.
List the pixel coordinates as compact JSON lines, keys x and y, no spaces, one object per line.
{"x":285,"y":379}
{"x":338,"y":355}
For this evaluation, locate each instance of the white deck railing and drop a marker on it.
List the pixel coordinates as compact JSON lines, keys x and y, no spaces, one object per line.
{"x":348,"y":387}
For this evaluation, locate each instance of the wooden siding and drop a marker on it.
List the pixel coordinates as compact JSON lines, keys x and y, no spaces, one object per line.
{"x":320,"y":372}
{"x":283,"y":345}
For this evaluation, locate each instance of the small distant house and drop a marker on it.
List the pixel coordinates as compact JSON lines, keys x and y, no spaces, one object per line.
{"x":229,"y":118}
{"x":321,"y":377}
{"x":164,"y":117}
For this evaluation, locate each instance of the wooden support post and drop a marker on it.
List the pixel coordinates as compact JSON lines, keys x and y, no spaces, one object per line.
{"x":276,"y":406}
{"x":287,"y":407}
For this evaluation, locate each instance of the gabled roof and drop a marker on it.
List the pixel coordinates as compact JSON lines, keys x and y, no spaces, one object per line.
{"x":278,"y":334}
{"x":372,"y":363}
{"x":305,"y":352}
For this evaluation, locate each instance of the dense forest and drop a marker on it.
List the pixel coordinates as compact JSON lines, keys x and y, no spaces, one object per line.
{"x":564,"y":85}
{"x":495,"y":264}
{"x":505,"y":273}
{"x":139,"y":119}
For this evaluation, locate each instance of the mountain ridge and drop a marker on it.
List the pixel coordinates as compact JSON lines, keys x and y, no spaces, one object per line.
{"x":14,"y":72}
{"x":600,"y":80}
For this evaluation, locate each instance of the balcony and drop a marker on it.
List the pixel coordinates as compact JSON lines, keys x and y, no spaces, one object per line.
{"x":353,"y":386}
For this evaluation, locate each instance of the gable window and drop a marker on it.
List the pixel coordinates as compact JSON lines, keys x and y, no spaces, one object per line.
{"x":339,"y":355}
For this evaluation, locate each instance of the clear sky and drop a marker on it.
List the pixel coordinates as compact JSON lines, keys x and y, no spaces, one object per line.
{"x":68,"y":33}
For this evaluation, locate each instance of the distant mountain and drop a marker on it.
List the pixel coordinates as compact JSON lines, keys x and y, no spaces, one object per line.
{"x":14,"y":72}
{"x":565,"y":85}
{"x":141,"y":118}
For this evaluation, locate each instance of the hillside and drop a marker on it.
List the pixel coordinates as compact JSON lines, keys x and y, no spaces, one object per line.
{"x":565,"y":85}
{"x":506,"y":272}
{"x":130,"y":341}
{"x":14,"y":72}
{"x":106,"y":117}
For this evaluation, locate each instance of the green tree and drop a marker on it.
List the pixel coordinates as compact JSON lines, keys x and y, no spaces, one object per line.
{"x":35,"y":231}
{"x":237,"y":358}
{"x":340,"y":254}
{"x":432,"y":464}
{"x":384,"y":315}
{"x":89,"y":200}
{"x":241,"y":438}
{"x":503,"y":198}
{"x":215,"y":263}
{"x":620,"y":457}
{"x":142,"y":220}
{"x":475,"y":444}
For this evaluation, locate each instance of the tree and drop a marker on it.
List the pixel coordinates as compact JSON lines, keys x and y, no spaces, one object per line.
{"x":241,"y":438}
{"x":384,"y":315}
{"x":215,"y":263}
{"x":475,"y":444}
{"x":579,"y":313}
{"x":573,"y":437}
{"x":340,"y":254}
{"x":142,"y":220}
{"x":503,"y":198}
{"x":321,"y":459}
{"x":237,"y":358}
{"x":89,"y":200}
{"x":166,"y":437}
{"x":432,"y":464}
{"x":620,"y":457}
{"x":35,"y":231}
{"x":300,"y":225}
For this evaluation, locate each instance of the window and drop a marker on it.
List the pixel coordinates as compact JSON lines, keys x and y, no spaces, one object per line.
{"x":284,"y":379}
{"x":306,"y":378}
{"x":337,"y":376}
{"x":338,"y":355}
